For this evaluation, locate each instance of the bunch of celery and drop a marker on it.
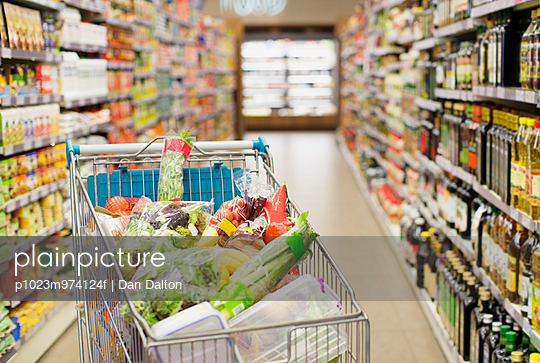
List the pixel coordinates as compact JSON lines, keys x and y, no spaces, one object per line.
{"x":260,"y":274}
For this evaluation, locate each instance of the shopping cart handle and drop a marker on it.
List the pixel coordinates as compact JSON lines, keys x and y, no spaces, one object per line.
{"x":260,"y":145}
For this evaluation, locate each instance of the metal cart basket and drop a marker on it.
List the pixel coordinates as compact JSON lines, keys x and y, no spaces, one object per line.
{"x":99,"y":172}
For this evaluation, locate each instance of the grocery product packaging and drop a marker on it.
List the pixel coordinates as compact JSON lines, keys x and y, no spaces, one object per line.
{"x":196,"y":319}
{"x":175,"y":152}
{"x":306,"y":298}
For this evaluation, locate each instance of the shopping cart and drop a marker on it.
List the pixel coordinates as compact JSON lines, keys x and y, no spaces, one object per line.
{"x":132,"y":170}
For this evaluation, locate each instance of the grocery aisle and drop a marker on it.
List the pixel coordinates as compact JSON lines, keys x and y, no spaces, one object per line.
{"x":320,"y":181}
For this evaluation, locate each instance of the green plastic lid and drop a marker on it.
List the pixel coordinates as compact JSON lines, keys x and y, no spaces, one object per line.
{"x":511,"y":337}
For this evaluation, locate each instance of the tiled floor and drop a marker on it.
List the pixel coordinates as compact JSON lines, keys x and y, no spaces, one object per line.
{"x":319,"y":180}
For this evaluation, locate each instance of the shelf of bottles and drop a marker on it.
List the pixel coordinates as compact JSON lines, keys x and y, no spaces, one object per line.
{"x":451,"y":139}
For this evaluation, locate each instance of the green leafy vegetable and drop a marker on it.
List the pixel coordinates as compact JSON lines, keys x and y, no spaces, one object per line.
{"x":259,"y":275}
{"x":170,"y":184}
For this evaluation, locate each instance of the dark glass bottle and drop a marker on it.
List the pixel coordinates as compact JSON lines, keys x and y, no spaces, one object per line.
{"x":492,"y":342}
{"x":469,"y":301}
{"x":501,"y":348}
{"x":451,"y":206}
{"x":482,"y":335}
{"x":421,"y":258}
{"x":482,"y":149}
{"x":484,"y":307}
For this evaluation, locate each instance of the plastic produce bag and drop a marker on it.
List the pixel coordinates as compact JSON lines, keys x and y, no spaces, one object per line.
{"x":175,"y":152}
{"x":197,"y":269}
{"x":304,"y":299}
{"x":254,"y":191}
{"x":161,"y":227}
{"x":247,"y":238}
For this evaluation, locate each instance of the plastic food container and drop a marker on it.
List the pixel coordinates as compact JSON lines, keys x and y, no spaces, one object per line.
{"x":306,"y":298}
{"x":199,"y":318}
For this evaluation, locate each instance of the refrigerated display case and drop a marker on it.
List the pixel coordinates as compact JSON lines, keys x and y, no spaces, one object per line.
{"x":288,"y":83}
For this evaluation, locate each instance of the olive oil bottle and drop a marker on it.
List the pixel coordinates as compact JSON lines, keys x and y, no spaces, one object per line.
{"x":524,"y":154}
{"x":526,"y":52}
{"x":534,"y":167}
{"x":512,"y":273}
{"x":535,"y":294}
{"x":517,"y":166}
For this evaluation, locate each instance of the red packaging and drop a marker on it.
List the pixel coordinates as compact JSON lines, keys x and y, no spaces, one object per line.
{"x":275,"y":209}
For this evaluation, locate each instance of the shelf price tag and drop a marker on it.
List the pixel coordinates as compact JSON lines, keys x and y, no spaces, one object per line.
{"x":520,"y":95}
{"x":530,"y":96}
{"x":489,"y":91}
{"x":500,"y":92}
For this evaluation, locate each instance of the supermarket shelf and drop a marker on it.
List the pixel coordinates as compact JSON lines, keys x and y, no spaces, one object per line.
{"x":375,"y":134}
{"x":121,"y":96}
{"x":144,"y":74}
{"x":460,"y":27}
{"x":42,"y":336}
{"x":144,"y":100}
{"x":145,"y":22}
{"x":454,"y":94}
{"x":120,"y":65}
{"x":85,"y":5}
{"x":410,"y":120}
{"x":141,"y":129}
{"x":8,"y":355}
{"x":215,"y":91}
{"x":84,"y":47}
{"x":491,"y":197}
{"x":165,"y":92}
{"x":30,"y":100}
{"x":143,"y":48}
{"x":113,"y":22}
{"x":85,"y":102}
{"x":509,"y":94}
{"x":202,"y":72}
{"x":127,"y":122}
{"x":47,"y":141}
{"x":393,"y":67}
{"x":8,"y":53}
{"x":216,"y":113}
{"x":456,"y":171}
{"x":408,"y":78}
{"x":163,"y":68}
{"x":392,"y":37}
{"x":410,"y":160}
{"x":32,"y":196}
{"x":379,"y":73}
{"x":428,"y":104}
{"x":380,"y":51}
{"x":392,"y":234}
{"x":426,"y":44}
{"x":495,"y":6}
{"x":185,"y":112}
{"x":41,"y":4}
{"x":406,"y":39}
{"x":428,"y":163}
